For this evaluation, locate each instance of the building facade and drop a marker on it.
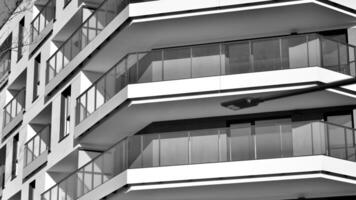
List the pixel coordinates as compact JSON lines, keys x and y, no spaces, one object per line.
{"x":178,"y":100}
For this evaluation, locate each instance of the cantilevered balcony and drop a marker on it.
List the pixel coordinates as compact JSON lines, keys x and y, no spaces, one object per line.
{"x":43,"y":19}
{"x":279,"y":139}
{"x":83,"y":35}
{"x":13,"y":111}
{"x":38,"y":145}
{"x":277,"y":53}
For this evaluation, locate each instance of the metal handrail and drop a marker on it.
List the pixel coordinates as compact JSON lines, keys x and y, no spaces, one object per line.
{"x":127,"y":55}
{"x":128,"y":137}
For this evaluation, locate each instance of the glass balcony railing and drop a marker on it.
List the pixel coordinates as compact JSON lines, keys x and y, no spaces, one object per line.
{"x":240,"y":142}
{"x":5,"y":63}
{"x":83,"y":35}
{"x":14,"y":107}
{"x":45,"y":16}
{"x":37,"y":145}
{"x":217,"y":59}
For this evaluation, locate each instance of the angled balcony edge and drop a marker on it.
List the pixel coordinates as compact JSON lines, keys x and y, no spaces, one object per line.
{"x":35,"y":165}
{"x":106,"y":189}
{"x":105,"y":110}
{"x":8,"y":128}
{"x":41,"y":38}
{"x":72,"y":67}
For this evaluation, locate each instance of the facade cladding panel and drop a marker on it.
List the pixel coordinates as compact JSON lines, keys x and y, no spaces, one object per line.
{"x":177,"y":99}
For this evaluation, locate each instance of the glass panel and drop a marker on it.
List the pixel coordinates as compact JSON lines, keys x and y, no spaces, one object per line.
{"x":352,"y":66}
{"x":205,"y":146}
{"x":206,"y":60}
{"x":269,"y":135}
{"x":294,"y":52}
{"x":174,"y":148}
{"x":80,"y":183}
{"x":135,"y":149}
{"x":110,"y":163}
{"x":98,"y":171}
{"x":88,"y":178}
{"x":36,"y":146}
{"x":337,"y":141}
{"x":54,"y":193}
{"x":150,"y":67}
{"x":266,"y":55}
{"x":302,"y":139}
{"x":76,"y":45}
{"x":330,"y":54}
{"x":121,"y":80}
{"x":314,"y":50}
{"x":350,"y":141}
{"x":132,"y":68}
{"x":92,"y":28}
{"x":71,"y":187}
{"x":150,"y":150}
{"x":177,"y":63}
{"x":100,"y":93}
{"x":120,"y":154}
{"x":111,"y":10}
{"x":344,"y":68}
{"x":91,"y":100}
{"x":67,"y":53}
{"x":110,"y":87}
{"x":241,"y":142}
{"x":223,"y":145}
{"x":59,"y":61}
{"x":82,"y":107}
{"x":62,"y":191}
{"x":237,"y":58}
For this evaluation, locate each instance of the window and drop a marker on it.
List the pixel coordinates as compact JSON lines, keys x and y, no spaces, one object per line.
{"x":65,"y":113}
{"x":36,"y":77}
{"x":15,"y":151}
{"x":20,"y":39}
{"x":31,"y":190}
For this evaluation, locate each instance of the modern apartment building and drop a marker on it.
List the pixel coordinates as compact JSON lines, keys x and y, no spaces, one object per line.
{"x":178,"y":100}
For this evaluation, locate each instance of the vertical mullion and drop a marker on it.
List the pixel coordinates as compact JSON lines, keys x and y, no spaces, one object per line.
{"x":280,"y":53}
{"x":307,"y":41}
{"x":189,"y":148}
{"x":346,"y":146}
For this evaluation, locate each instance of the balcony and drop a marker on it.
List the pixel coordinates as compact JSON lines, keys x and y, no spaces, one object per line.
{"x":13,"y":111}
{"x":280,"y":139}
{"x":42,"y":24}
{"x":278,"y":53}
{"x":37,"y":145}
{"x":83,"y":35}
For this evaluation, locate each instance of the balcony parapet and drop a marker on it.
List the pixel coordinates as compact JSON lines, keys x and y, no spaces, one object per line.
{"x":44,"y":18}
{"x":268,"y":54}
{"x":13,"y":111}
{"x":253,"y":142}
{"x":83,"y":35}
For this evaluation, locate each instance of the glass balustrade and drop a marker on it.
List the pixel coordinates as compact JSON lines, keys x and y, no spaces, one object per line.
{"x":5,"y":63}
{"x":83,"y":35}
{"x":37,"y":145}
{"x":264,"y":140}
{"x":278,"y":53}
{"x":45,"y":16}
{"x":14,"y":107}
